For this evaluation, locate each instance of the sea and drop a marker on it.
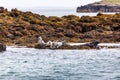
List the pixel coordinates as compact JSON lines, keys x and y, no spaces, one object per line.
{"x":58,"y":11}
{"x":44,"y":64}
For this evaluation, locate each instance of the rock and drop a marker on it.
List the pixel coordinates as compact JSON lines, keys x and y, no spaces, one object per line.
{"x":93,"y":44}
{"x":98,"y":8}
{"x":41,"y":46}
{"x":102,"y":6}
{"x":58,"y":35}
{"x":2,"y":10}
{"x":2,"y":47}
{"x":70,"y":33}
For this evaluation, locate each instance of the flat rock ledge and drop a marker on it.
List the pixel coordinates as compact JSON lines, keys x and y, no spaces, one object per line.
{"x":2,"y":47}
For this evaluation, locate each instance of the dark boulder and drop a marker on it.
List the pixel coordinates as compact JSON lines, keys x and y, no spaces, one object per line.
{"x":2,"y":47}
{"x":93,"y":44}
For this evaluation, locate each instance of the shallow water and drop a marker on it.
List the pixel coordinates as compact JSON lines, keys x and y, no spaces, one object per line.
{"x":33,"y":64}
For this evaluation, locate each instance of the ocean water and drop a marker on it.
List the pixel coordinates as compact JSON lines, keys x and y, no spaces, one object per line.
{"x":52,"y":11}
{"x":34,"y":64}
{"x":61,"y":12}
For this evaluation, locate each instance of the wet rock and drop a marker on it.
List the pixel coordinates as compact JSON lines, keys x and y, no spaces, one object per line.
{"x":93,"y":44}
{"x":2,"y":47}
{"x":42,"y":46}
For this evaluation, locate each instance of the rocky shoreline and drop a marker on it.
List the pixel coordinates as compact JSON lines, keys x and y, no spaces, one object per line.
{"x":98,"y":8}
{"x":101,"y":6}
{"x":24,"y":28}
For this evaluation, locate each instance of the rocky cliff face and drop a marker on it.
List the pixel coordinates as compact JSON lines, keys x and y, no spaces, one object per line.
{"x":102,"y":6}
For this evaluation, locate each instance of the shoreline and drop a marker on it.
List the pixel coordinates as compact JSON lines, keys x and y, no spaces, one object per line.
{"x":101,"y":45}
{"x":101,"y":6}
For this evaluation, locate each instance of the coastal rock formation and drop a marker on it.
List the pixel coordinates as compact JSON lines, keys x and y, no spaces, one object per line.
{"x":102,"y":6}
{"x":24,"y":28}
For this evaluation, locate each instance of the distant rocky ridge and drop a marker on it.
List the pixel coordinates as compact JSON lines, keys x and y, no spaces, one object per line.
{"x":108,"y":2}
{"x":102,"y":6}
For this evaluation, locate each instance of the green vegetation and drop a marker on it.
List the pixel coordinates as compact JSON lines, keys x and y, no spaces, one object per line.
{"x":109,"y":2}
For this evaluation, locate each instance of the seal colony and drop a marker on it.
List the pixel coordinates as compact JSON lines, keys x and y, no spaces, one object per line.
{"x":63,"y":45}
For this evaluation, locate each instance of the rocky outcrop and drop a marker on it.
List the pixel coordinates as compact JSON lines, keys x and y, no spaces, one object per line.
{"x":2,"y":47}
{"x":24,"y":28}
{"x":102,"y":6}
{"x":98,"y":8}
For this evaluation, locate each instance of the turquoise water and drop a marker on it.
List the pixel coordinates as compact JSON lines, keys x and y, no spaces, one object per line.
{"x":33,"y":64}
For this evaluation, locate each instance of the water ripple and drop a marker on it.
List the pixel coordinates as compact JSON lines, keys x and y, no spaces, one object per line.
{"x":33,"y":64}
